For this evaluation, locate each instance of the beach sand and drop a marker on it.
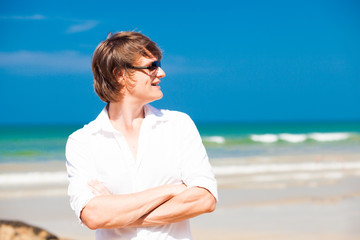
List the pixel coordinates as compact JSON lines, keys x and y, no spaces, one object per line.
{"x":281,"y":207}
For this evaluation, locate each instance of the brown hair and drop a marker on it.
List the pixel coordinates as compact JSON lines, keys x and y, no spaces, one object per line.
{"x":112,"y":59}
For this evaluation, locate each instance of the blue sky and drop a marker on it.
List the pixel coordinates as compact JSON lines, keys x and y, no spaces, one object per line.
{"x":238,"y":61}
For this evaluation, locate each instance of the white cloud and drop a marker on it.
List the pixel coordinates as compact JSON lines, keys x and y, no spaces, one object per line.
{"x":77,"y":25}
{"x":176,"y":65}
{"x":30,"y":62}
{"x":18,"y":17}
{"x":83,"y":26}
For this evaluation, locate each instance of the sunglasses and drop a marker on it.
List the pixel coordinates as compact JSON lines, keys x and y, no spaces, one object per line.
{"x":154,"y":66}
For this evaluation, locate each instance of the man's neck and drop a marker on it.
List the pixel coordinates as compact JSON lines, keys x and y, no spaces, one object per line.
{"x":126,"y":115}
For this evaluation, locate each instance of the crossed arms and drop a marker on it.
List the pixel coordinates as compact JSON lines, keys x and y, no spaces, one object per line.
{"x":156,"y":206}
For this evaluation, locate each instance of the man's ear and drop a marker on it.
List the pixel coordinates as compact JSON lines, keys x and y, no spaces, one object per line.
{"x":119,"y":76}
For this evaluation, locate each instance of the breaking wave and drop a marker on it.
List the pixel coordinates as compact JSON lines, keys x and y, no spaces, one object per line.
{"x":33,"y":178}
{"x":282,"y":138}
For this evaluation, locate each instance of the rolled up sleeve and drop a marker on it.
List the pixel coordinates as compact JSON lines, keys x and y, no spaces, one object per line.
{"x":80,"y":171}
{"x":196,"y":170}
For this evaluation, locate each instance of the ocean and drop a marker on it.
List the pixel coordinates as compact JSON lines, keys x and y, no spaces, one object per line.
{"x":222,"y":140}
{"x":244,"y":140}
{"x":232,"y":148}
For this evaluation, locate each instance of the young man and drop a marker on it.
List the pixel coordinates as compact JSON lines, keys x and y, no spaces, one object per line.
{"x":137,"y":172}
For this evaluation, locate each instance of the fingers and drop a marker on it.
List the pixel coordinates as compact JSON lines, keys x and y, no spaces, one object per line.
{"x":98,"y":188}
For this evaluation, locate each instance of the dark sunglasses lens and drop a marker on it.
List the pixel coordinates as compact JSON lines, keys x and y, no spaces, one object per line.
{"x":155,"y":65}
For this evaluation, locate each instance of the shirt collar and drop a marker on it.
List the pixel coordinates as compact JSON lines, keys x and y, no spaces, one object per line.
{"x":102,"y":122}
{"x":155,"y":114}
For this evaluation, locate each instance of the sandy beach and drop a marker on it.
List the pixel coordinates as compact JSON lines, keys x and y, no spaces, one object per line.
{"x":298,"y":201}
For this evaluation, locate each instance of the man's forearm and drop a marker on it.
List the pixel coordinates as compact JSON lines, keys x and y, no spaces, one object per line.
{"x":190,"y":203}
{"x":116,"y":211}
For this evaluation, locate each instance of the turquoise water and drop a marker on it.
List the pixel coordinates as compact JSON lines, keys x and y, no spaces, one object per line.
{"x":33,"y":143}
{"x":44,"y":143}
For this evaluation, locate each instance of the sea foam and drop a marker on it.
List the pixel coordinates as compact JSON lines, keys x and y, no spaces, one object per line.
{"x":33,"y":178}
{"x":265,"y":138}
{"x":285,"y":167}
{"x":297,"y":176}
{"x":329,"y":137}
{"x":293,"y":138}
{"x":215,"y":139}
{"x":254,"y":172}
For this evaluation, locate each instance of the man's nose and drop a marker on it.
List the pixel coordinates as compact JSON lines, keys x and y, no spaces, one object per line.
{"x":160,"y":73}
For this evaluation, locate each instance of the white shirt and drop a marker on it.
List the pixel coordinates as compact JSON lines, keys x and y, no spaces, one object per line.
{"x":170,"y":151}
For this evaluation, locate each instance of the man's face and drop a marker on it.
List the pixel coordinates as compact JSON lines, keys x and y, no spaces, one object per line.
{"x":146,"y":82}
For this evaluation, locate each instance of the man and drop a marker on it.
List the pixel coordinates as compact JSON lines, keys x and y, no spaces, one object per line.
{"x":137,"y":172}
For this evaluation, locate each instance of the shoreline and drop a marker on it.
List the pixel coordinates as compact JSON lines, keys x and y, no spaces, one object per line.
{"x":56,"y":165}
{"x":311,"y":207}
{"x":245,"y":172}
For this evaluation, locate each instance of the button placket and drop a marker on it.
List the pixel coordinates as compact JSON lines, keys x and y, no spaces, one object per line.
{"x":140,"y":151}
{"x":120,"y":139}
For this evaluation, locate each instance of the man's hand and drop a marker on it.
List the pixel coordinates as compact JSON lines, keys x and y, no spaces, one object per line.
{"x":98,"y":188}
{"x":187,"y":204}
{"x":107,"y":210}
